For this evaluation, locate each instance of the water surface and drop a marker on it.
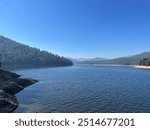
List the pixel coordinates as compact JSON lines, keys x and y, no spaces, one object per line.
{"x":86,"y":89}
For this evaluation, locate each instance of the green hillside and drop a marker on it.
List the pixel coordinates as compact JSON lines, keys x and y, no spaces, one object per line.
{"x":17,"y":54}
{"x":130,"y":60}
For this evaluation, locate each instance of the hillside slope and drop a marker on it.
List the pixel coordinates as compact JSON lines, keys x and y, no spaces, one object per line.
{"x":131,"y":60}
{"x":17,"y":54}
{"x":11,"y":84}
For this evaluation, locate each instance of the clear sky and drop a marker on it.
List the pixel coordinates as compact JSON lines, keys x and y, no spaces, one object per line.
{"x":79,"y":28}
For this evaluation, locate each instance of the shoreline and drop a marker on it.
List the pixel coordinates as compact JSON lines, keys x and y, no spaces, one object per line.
{"x":142,"y":67}
{"x":11,"y":84}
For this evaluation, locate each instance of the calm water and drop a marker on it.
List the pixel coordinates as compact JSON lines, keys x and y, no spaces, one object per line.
{"x":86,"y":89}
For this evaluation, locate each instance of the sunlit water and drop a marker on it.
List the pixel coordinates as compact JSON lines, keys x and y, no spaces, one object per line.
{"x":86,"y":89}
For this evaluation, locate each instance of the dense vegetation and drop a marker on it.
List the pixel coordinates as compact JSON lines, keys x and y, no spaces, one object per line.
{"x":18,"y":54}
{"x":132,"y":60}
{"x":145,"y":62}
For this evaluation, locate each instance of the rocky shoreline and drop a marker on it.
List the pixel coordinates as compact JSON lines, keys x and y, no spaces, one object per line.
{"x":11,"y":84}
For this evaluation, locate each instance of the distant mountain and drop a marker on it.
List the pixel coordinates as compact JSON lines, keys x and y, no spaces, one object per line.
{"x":86,"y":60}
{"x":17,"y":54}
{"x":90,"y":61}
{"x":77,"y":59}
{"x":130,"y":60}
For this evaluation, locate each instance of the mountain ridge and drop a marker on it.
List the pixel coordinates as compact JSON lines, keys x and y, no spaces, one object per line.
{"x":129,"y":60}
{"x":18,"y":54}
{"x":79,"y":60}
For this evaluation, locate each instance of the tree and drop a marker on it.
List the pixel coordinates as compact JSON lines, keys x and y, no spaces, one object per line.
{"x":145,"y":62}
{"x":0,"y":60}
{"x":18,"y":54}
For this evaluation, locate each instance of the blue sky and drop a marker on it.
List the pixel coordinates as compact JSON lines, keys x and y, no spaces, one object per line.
{"x":79,"y":28}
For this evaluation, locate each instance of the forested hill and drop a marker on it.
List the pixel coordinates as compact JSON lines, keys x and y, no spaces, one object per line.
{"x":17,"y":54}
{"x":130,"y":60}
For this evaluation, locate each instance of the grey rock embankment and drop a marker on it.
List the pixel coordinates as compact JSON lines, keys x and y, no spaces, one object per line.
{"x":11,"y":84}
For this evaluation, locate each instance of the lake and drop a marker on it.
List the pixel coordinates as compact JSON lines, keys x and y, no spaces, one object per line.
{"x":86,"y":89}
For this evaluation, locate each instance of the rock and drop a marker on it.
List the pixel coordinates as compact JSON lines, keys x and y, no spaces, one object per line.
{"x":26,"y":82}
{"x":11,"y":87}
{"x":10,"y":84}
{"x":8,"y":103}
{"x":7,"y":75}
